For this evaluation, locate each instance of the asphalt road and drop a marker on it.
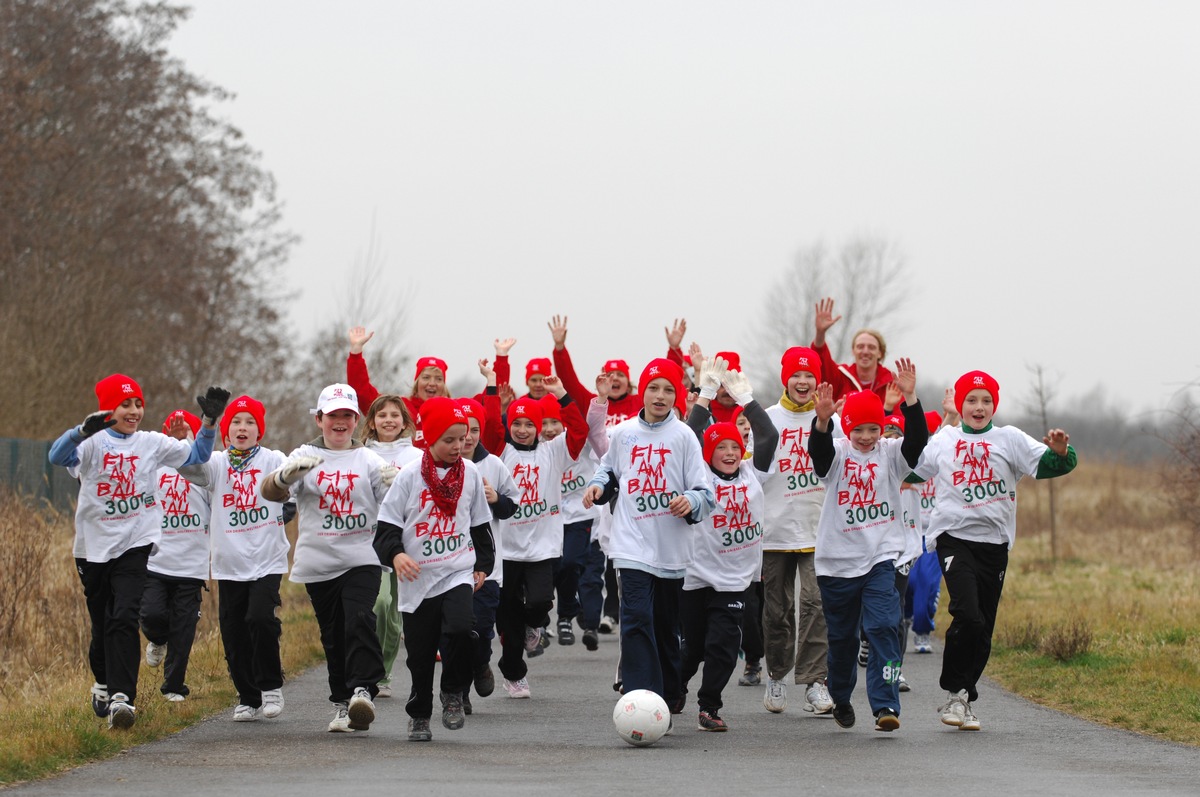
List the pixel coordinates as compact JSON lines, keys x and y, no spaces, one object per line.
{"x":562,"y":741}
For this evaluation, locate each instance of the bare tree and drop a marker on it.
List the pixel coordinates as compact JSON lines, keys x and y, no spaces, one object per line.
{"x":1181,"y":474}
{"x":1039,"y":406}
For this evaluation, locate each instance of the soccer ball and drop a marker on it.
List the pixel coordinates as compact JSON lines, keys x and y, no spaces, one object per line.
{"x":641,"y":717}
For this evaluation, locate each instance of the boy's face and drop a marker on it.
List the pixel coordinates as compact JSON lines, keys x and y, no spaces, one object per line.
{"x":471,"y":439}
{"x":337,"y":428}
{"x":389,"y":422}
{"x":619,"y":384}
{"x":658,"y":398}
{"x":551,"y":428}
{"x":802,"y":387}
{"x":128,"y":415}
{"x":743,"y":425}
{"x":243,"y":432}
{"x":537,"y":385}
{"x":892,"y":433}
{"x":864,"y":437}
{"x":430,"y":383}
{"x":449,"y":447}
{"x":978,"y":409}
{"x":727,"y":457}
{"x":866,"y":351}
{"x":523,"y":431}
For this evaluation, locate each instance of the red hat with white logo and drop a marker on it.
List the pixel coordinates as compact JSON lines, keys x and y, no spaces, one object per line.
{"x":430,"y":362}
{"x":662,"y":368}
{"x":112,"y":390}
{"x":714,"y":434}
{"x":538,"y":365}
{"x":471,"y":408}
{"x":799,"y":358}
{"x":861,"y":408}
{"x":257,"y":411}
{"x":613,"y":366}
{"x":438,"y":414}
{"x":528,"y":408}
{"x":975,"y":380}
{"x":337,"y":397}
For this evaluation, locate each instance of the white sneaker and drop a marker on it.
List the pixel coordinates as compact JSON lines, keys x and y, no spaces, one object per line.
{"x":121,"y":715}
{"x":341,"y":719}
{"x":902,"y":684}
{"x":533,"y":638}
{"x":245,"y":713}
{"x":100,"y":700}
{"x":607,"y":624}
{"x":517,"y":689}
{"x":155,"y":654}
{"x":956,"y":708}
{"x":174,"y":697}
{"x":384,"y":690}
{"x":817,"y":699}
{"x":775,"y":700}
{"x":361,"y":709}
{"x":272,"y":703}
{"x":970,"y":721}
{"x":922,"y":643}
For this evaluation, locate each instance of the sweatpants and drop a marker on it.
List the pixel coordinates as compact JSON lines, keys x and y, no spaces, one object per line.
{"x":525,"y":601}
{"x":712,"y":635}
{"x":113,"y":592}
{"x":650,"y":650}
{"x":443,"y":621}
{"x":250,"y":632}
{"x":974,"y":573}
{"x":169,"y":613}
{"x":344,"y":606}
{"x":752,"y":633}
{"x":579,"y":576}
{"x":870,"y":598}
{"x":388,"y":625}
{"x":790,"y":642}
{"x":485,"y":604}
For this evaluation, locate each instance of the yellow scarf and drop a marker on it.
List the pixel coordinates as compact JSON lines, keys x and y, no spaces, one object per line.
{"x":792,"y":406}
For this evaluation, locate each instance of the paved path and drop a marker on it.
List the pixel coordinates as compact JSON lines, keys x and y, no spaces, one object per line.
{"x":562,"y":742}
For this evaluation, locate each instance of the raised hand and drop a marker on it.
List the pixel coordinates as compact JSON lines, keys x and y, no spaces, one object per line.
{"x":558,"y":330}
{"x":697,"y":357}
{"x":487,"y":371}
{"x":503,"y":346}
{"x":179,"y":428}
{"x":96,"y":422}
{"x":212,"y":404}
{"x":948,"y":408}
{"x":555,"y":386}
{"x":507,"y":396}
{"x":358,"y":338}
{"x":824,"y":318}
{"x":1057,"y":439}
{"x":711,"y":375}
{"x":893,"y":396}
{"x":675,"y":333}
{"x":825,"y":406}
{"x":906,"y":379}
{"x":603,"y":387}
{"x":738,"y":385}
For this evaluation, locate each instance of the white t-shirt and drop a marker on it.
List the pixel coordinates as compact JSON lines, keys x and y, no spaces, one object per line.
{"x":117,"y":508}
{"x":728,"y":555}
{"x":495,"y":472}
{"x":574,"y":481}
{"x":249,"y":540}
{"x":910,"y":518}
{"x":535,"y":532}
{"x":182,"y":550}
{"x":337,"y":508}
{"x":440,"y":544}
{"x":794,"y":494}
{"x":861,"y":517}
{"x":976,"y":477}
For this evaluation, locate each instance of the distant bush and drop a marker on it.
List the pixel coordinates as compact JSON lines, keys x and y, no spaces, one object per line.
{"x":1067,"y":641}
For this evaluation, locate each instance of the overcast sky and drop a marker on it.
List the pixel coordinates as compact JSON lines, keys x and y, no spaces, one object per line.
{"x":627,"y":163}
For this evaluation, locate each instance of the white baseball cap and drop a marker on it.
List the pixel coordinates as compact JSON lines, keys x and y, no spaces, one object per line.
{"x":337,"y":397}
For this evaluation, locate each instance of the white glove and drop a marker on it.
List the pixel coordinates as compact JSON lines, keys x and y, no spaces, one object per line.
{"x":710,"y":377}
{"x":738,"y":386}
{"x":294,"y":469}
{"x":387,"y":475}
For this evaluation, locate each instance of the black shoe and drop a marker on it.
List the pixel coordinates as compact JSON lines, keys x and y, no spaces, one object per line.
{"x":591,"y":639}
{"x":887,"y":720}
{"x":619,"y":687}
{"x":466,"y":701}
{"x":680,"y":704}
{"x":566,"y":634}
{"x":418,"y":730}
{"x":843,"y":715}
{"x":752,"y":676}
{"x":452,"y":710}
{"x":485,"y":681}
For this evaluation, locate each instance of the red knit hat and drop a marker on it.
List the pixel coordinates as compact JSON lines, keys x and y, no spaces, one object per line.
{"x":113,"y":389}
{"x":245,"y":404}
{"x":933,"y":421}
{"x":430,"y":362}
{"x":662,"y":368}
{"x":528,"y":408}
{"x":471,"y":409}
{"x":732,"y":359}
{"x":193,"y":421}
{"x":538,"y":365}
{"x":895,"y":419}
{"x":799,"y":358}
{"x":616,"y":365}
{"x":714,"y":434}
{"x":975,"y":380}
{"x":437,"y":415}
{"x":861,"y":408}
{"x":551,"y":408}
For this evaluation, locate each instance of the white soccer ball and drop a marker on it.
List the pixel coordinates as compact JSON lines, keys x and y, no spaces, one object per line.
{"x":641,"y":717}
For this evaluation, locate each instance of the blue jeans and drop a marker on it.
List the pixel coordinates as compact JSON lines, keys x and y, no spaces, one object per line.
{"x":650,"y":655}
{"x":871,"y":597}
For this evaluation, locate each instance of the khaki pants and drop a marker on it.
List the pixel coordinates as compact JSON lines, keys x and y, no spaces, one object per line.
{"x":782,"y":633}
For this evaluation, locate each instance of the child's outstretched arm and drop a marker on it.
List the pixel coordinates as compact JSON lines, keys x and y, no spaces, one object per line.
{"x":492,"y":433}
{"x":1060,"y":457}
{"x":576,"y":426}
{"x":356,"y":369}
{"x":916,"y":432}
{"x":63,"y":453}
{"x":563,"y":365}
{"x":212,"y":405}
{"x":503,"y":369}
{"x":597,"y":416}
{"x":675,"y":335}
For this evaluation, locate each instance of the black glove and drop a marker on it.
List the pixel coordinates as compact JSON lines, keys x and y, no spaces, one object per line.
{"x":212,"y":404}
{"x":96,"y":422}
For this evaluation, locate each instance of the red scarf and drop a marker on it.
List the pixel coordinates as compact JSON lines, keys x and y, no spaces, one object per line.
{"x":445,"y":491}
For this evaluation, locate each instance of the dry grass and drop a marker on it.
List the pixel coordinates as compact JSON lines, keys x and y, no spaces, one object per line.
{"x":43,"y":650}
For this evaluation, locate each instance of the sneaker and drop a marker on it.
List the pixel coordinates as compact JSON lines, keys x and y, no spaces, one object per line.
{"x":361,"y":709}
{"x":244,"y":713}
{"x":341,"y":719}
{"x":418,"y":730}
{"x":607,"y":624}
{"x":466,"y":701}
{"x":533,"y":639}
{"x":902,"y":684}
{"x":485,"y":681}
{"x":619,"y":687}
{"x":922,"y":643}
{"x":155,"y":654}
{"x":121,"y":715}
{"x":709,"y":721}
{"x":864,"y":648}
{"x":517,"y":689}
{"x":385,"y":691}
{"x":544,"y":642}
{"x":452,"y":711}
{"x":775,"y":700}
{"x":817,"y":699}
{"x":843,"y":715}
{"x":566,"y":634}
{"x":272,"y":703}
{"x":174,"y":697}
{"x":752,"y":675}
{"x":100,"y":700}
{"x":591,"y":639}
{"x":887,"y":720}
{"x":955,"y":710}
{"x":970,"y":721}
